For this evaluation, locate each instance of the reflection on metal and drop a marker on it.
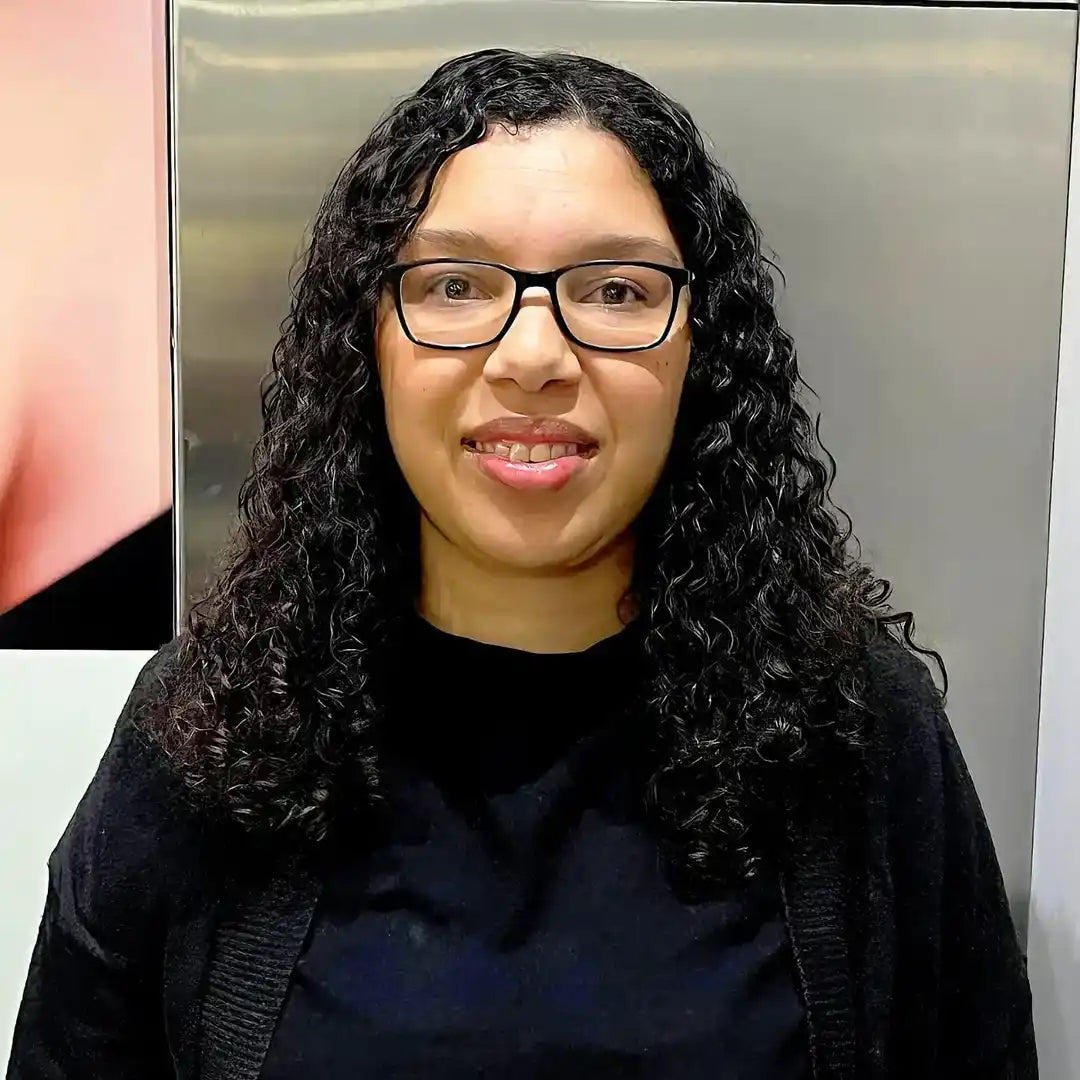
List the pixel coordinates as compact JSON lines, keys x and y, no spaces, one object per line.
{"x":180,"y":594}
{"x":314,"y":9}
{"x":877,"y":57}
{"x":908,"y":167}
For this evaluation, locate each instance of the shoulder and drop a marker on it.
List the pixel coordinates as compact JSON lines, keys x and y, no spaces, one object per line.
{"x":906,"y":709}
{"x":131,"y":846}
{"x":918,"y":775}
{"x":910,"y":754}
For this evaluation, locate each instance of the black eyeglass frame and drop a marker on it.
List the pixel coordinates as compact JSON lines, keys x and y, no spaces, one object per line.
{"x":524,"y":279}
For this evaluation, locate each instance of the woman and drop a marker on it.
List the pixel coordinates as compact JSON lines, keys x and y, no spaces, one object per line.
{"x":539,"y":724}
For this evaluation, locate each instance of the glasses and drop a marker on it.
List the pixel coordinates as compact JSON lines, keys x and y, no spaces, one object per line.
{"x":606,"y":305}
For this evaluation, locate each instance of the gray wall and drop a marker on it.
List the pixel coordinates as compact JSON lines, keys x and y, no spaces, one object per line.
{"x":908,"y":167}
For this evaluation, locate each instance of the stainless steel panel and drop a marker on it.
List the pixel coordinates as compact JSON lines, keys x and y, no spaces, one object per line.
{"x":908,"y":166}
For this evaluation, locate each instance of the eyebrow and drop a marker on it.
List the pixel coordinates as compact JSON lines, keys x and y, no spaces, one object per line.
{"x":465,"y":242}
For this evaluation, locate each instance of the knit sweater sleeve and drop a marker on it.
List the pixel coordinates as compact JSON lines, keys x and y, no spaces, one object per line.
{"x":92,"y":1004}
{"x":960,"y":966}
{"x":987,"y":1028}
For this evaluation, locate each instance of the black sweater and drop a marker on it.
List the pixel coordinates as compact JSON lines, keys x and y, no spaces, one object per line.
{"x":151,"y":963}
{"x":510,"y":919}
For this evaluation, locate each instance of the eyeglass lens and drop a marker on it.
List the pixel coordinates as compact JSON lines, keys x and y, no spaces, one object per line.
{"x":616,"y":305}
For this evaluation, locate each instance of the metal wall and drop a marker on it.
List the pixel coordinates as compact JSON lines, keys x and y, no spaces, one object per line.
{"x":908,"y":167}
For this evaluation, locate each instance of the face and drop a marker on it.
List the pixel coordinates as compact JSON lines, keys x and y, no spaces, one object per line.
{"x":536,"y":200}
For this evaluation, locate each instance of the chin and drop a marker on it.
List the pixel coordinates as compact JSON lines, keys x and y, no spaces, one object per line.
{"x":535,"y":553}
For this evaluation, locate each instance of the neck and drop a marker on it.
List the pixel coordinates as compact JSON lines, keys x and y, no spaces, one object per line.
{"x":566,"y":610}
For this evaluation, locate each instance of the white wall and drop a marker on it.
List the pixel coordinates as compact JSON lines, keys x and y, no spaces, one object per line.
{"x":1054,"y":928}
{"x":57,"y":712}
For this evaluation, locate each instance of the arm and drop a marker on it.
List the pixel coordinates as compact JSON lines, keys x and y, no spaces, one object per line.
{"x":92,"y":1006}
{"x":986,"y":1022}
{"x":958,"y":990}
{"x":88,"y":1010}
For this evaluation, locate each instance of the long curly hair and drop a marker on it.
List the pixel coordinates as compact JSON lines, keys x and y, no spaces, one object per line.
{"x":755,"y":612}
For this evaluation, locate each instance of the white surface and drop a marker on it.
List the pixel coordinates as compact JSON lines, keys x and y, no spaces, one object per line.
{"x":57,"y":712}
{"x":1054,"y":930}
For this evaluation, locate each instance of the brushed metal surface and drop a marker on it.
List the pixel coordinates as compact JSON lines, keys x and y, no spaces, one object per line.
{"x":908,"y":167}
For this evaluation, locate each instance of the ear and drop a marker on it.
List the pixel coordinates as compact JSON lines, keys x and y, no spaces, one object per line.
{"x":384,"y":321}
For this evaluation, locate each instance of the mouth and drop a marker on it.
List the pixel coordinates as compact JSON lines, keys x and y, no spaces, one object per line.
{"x":531,"y":453}
{"x":530,"y":467}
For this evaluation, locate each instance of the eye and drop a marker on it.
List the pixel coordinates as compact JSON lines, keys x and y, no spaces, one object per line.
{"x":616,"y":293}
{"x":454,"y":287}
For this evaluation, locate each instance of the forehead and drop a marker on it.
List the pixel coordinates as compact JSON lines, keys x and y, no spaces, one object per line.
{"x":543,"y":193}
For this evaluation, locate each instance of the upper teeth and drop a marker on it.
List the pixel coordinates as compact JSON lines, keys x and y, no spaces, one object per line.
{"x":521,"y":452}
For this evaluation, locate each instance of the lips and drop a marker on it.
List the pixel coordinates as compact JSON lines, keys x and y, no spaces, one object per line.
{"x":531,"y":431}
{"x":530,"y":454}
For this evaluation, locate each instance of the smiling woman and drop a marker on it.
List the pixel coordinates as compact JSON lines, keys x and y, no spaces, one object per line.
{"x":540,"y":722}
{"x":545,"y":356}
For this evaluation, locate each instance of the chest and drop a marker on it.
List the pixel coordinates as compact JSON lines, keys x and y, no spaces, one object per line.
{"x":530,"y":934}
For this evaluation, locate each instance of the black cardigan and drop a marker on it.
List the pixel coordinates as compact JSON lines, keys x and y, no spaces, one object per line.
{"x":153,"y":961}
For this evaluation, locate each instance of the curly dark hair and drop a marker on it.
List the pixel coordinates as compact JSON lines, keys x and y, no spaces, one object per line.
{"x":755,"y":611}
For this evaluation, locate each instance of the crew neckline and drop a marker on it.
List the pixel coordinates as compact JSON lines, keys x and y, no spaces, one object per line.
{"x":492,"y":717}
{"x":426,"y":634}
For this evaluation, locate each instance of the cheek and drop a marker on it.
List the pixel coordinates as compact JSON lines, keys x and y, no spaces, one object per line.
{"x":643,"y":400}
{"x":423,"y":398}
{"x":412,"y":386}
{"x":412,"y":410}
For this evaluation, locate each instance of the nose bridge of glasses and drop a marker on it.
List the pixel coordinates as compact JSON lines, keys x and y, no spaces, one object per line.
{"x":537,"y":289}
{"x":536,"y":310}
{"x":534,"y":294}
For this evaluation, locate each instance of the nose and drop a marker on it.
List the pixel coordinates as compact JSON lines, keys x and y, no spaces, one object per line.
{"x":533,"y":351}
